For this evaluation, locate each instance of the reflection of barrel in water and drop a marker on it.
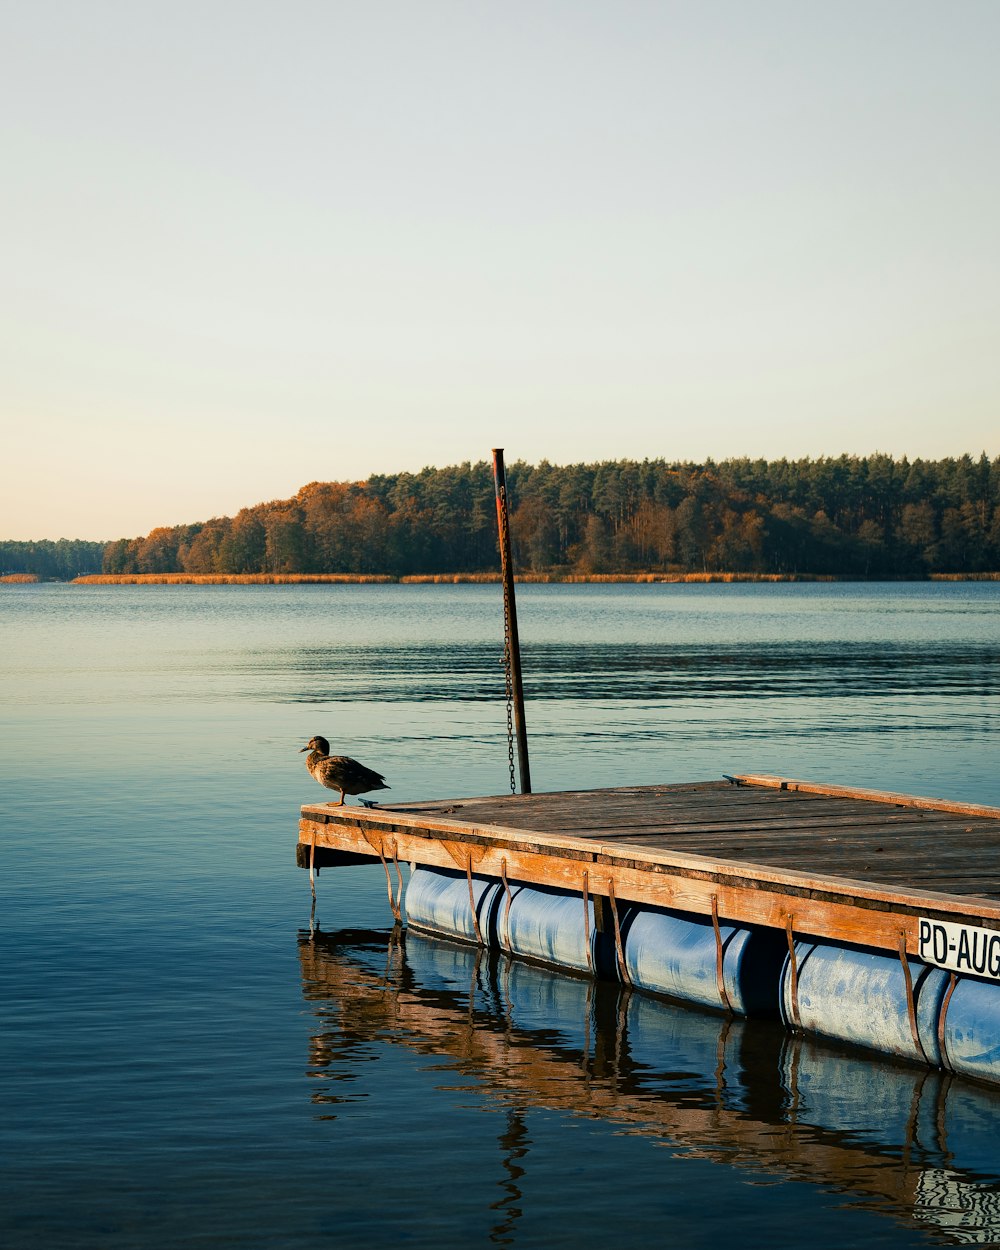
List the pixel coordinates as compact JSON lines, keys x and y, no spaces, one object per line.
{"x":918,"y":1143}
{"x":688,"y":957}
{"x":940,"y":1129}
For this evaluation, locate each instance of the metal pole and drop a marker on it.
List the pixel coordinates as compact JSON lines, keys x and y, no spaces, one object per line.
{"x":507,"y":573}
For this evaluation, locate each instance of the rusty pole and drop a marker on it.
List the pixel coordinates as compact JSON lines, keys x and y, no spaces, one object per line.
{"x":510,"y":615}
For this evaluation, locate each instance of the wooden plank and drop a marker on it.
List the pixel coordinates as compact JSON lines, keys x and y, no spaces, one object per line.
{"x":954,"y":881}
{"x":610,"y":823}
{"x":626,"y":803}
{"x":665,"y":790}
{"x":878,"y":872}
{"x":699,"y":794}
{"x":696,"y":823}
{"x":626,"y":810}
{"x":834,"y":852}
{"x":910,"y":841}
{"x":870,"y":796}
{"x":783,"y":833}
{"x":614,"y":823}
{"x":325,"y":858}
{"x":651,"y":797}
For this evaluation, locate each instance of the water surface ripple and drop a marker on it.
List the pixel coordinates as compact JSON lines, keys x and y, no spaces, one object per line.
{"x":187,"y":1064}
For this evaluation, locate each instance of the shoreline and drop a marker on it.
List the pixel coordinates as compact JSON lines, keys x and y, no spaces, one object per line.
{"x":417,"y":579}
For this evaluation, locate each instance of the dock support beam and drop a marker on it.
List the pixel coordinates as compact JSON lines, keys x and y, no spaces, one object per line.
{"x":513,"y":646}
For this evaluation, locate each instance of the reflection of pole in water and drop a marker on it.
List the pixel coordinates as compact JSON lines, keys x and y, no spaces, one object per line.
{"x":514,"y":1142}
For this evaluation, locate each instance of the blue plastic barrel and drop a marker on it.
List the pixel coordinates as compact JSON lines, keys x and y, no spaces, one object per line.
{"x":550,"y":925}
{"x":438,"y":899}
{"x":676,"y":954}
{"x":972,"y":1029}
{"x":859,"y":996}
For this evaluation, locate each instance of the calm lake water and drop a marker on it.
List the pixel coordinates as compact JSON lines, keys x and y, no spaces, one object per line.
{"x":184,"y":1065}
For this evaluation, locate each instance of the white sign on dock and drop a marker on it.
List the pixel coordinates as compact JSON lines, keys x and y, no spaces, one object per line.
{"x":960,"y":948}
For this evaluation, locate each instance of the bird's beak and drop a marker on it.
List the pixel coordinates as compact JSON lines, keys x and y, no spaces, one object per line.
{"x":303,"y":749}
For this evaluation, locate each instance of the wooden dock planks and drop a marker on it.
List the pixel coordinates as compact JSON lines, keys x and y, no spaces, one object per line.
{"x":845,"y":864}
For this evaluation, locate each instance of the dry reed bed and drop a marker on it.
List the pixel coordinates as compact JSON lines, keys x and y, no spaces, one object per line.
{"x":439,"y":579}
{"x":19,"y":579}
{"x":224,"y":579}
{"x":631,"y":579}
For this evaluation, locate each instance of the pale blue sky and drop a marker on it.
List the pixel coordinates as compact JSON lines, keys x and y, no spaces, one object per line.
{"x":251,"y":244}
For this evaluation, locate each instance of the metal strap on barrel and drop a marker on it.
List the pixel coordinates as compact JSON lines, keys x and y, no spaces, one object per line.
{"x":942,"y":1021}
{"x":472,"y":902}
{"x":379,"y":850}
{"x":619,"y":950}
{"x":586,"y":920}
{"x":398,"y":908}
{"x":388,"y":881}
{"x":911,"y":1002}
{"x":720,"y":979}
{"x":510,"y":899}
{"x":794,"y":971}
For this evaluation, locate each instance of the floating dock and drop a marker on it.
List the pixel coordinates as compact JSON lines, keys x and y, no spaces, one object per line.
{"x":870,"y":917}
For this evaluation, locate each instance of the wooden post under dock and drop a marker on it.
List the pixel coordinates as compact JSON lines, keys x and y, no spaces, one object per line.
{"x":837,"y":863}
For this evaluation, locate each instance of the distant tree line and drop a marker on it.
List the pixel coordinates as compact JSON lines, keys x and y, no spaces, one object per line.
{"x":870,"y":516}
{"x":52,"y":561}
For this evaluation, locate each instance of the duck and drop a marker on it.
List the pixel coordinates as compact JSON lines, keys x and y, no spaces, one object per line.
{"x":340,"y":772}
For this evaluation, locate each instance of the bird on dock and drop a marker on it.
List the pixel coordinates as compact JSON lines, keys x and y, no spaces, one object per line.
{"x":340,"y":772}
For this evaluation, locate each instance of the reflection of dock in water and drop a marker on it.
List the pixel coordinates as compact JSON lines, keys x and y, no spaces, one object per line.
{"x":915,"y":1143}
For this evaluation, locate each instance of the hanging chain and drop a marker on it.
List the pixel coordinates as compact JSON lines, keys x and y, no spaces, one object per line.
{"x":506,"y":660}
